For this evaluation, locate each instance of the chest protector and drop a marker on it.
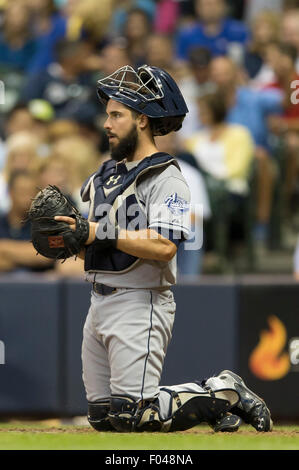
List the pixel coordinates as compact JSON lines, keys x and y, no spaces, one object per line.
{"x":115,"y":186}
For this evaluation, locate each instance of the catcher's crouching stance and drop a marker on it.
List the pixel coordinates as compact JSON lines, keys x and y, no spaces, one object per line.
{"x":131,"y":269}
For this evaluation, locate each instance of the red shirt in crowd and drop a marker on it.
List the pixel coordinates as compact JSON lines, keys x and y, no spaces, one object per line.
{"x":292,"y":110}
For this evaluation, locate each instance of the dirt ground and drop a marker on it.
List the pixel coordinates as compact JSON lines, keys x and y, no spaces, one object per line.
{"x":87,"y":430}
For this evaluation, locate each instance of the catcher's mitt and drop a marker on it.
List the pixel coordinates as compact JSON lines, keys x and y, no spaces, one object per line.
{"x":53,"y":238}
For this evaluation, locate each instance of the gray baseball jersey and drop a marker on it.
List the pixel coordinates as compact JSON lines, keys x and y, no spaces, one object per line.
{"x":155,"y":191}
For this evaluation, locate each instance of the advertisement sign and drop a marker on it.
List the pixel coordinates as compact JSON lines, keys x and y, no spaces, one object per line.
{"x":269,"y":345}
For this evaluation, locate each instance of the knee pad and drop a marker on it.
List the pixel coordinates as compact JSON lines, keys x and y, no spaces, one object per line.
{"x":187,"y":409}
{"x":98,"y":415}
{"x":127,"y":415}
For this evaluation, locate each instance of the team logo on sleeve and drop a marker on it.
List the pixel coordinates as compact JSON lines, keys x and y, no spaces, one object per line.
{"x":177,"y":205}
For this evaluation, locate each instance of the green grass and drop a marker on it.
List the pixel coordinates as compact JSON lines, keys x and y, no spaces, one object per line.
{"x":33,"y":437}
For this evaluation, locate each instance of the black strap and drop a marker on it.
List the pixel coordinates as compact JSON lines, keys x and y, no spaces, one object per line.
{"x":102,"y":289}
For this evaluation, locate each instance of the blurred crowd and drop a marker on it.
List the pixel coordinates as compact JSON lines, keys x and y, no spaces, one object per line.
{"x":237,"y":64}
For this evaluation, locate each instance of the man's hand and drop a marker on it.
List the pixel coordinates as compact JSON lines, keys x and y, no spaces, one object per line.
{"x":72,"y":223}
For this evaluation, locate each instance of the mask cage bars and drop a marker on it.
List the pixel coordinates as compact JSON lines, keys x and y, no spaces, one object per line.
{"x":143,"y":83}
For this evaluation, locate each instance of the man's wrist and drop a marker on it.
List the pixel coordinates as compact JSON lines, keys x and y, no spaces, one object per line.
{"x":109,"y":240}
{"x":92,"y":232}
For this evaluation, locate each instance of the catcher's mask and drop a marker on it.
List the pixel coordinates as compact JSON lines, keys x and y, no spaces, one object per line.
{"x":150,"y":91}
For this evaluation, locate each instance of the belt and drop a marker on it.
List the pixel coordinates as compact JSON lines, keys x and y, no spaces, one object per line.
{"x":102,"y":289}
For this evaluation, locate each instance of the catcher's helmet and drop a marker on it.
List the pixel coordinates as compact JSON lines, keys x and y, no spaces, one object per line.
{"x":150,"y":91}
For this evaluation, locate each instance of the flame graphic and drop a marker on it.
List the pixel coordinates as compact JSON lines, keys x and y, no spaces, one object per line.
{"x":265,"y":361}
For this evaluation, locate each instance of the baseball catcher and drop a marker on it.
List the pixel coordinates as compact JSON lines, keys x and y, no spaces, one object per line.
{"x":130,"y":263}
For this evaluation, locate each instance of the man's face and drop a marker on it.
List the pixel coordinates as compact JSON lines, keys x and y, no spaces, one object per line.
{"x":210,"y":10}
{"x":290,"y":29}
{"x":159,"y":51}
{"x":223,"y":72}
{"x":113,"y":58}
{"x":20,"y":120}
{"x":121,"y":129}
{"x":281,"y":63}
{"x":201,"y":73}
{"x":21,"y":193}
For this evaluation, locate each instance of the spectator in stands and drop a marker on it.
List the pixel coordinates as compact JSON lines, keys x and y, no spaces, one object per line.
{"x":290,"y":31}
{"x":246,"y":106}
{"x":16,"y":250}
{"x":136,"y":31}
{"x":251,"y":108}
{"x":282,"y":58}
{"x":49,"y":26}
{"x":159,"y":51}
{"x":21,"y":155}
{"x":195,"y":84}
{"x":61,"y":128}
{"x":18,"y":119}
{"x":265,"y":29}
{"x":32,"y":117}
{"x":113,"y":56}
{"x":167,"y":15}
{"x":121,"y":10}
{"x":224,"y":153}
{"x":35,"y":118}
{"x":189,"y":260}
{"x":237,"y":9}
{"x":42,"y":114}
{"x":65,"y":84}
{"x":254,"y":7}
{"x":89,"y":19}
{"x":17,"y":44}
{"x":53,"y":170}
{"x":213,"y":30}
{"x":80,"y":158}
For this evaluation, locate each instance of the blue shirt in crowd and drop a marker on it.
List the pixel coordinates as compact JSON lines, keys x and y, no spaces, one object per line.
{"x":252,"y":108}
{"x":45,"y":53}
{"x":23,"y":233}
{"x":194,"y":35}
{"x":38,"y":52}
{"x":19,"y":58}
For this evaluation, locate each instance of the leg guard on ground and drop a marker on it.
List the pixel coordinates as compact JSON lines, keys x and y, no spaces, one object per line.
{"x":98,"y":415}
{"x":187,"y":409}
{"x":127,"y":415}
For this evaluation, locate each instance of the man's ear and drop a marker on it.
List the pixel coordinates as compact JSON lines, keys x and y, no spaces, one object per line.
{"x":143,"y":121}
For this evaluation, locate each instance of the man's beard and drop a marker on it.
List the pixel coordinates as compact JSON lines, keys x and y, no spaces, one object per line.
{"x":126,"y":146}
